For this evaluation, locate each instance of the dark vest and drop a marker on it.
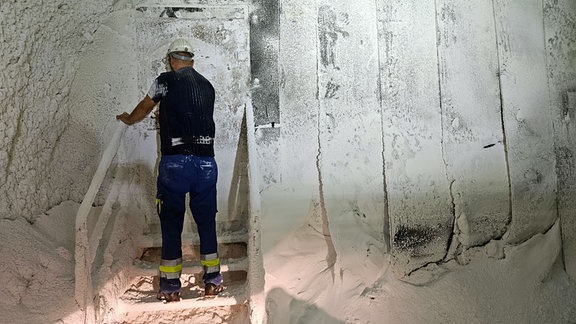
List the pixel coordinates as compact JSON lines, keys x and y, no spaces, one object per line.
{"x":186,"y":112}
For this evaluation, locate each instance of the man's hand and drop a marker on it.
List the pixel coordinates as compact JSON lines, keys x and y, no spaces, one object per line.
{"x":125,"y":118}
{"x":143,"y":108}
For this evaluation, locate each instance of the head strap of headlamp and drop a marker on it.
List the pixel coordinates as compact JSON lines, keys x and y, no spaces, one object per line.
{"x":182,"y":57}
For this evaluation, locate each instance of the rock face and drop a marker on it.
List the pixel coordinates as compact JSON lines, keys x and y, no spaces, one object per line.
{"x":420,"y":128}
{"x":449,"y":146}
{"x":42,"y":46}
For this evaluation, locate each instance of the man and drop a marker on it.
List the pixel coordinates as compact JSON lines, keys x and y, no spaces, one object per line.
{"x":187,"y":165}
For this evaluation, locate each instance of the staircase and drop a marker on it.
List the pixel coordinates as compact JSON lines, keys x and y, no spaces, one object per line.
{"x":109,"y":288}
{"x":139,"y":303}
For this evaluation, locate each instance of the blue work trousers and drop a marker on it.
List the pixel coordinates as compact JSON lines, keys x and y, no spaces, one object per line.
{"x":177,"y":176}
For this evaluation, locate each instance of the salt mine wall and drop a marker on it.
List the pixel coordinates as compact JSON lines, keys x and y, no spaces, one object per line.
{"x":422,"y":128}
{"x":559,"y":27}
{"x":437,"y":122}
{"x":42,"y":46}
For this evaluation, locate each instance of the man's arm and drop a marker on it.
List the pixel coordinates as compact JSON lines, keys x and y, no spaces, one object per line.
{"x":141,"y":110}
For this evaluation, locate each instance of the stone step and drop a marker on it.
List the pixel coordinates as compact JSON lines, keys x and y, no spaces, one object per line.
{"x":144,"y":307}
{"x":147,"y":268}
{"x":233,"y":257}
{"x":155,"y":239}
{"x":139,"y":300}
{"x":141,"y":295}
{"x":191,"y":252}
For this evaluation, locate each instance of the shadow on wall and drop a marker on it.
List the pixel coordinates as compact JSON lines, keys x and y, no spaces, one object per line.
{"x":238,"y":197}
{"x":76,"y":155}
{"x":281,"y":308}
{"x":142,"y":191}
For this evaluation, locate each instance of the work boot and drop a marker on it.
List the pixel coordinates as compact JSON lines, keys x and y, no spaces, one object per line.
{"x":169,"y":297}
{"x":211,"y":290}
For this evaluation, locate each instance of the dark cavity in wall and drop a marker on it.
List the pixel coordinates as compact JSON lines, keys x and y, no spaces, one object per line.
{"x":171,"y":11}
{"x":264,"y":46}
{"x":414,"y":240}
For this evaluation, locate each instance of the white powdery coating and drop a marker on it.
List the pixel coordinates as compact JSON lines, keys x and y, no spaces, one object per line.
{"x":38,"y":273}
{"x":40,"y":48}
{"x":39,"y":67}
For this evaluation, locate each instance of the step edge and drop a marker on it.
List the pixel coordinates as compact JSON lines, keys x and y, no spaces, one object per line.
{"x":199,"y":302}
{"x":155,"y":240}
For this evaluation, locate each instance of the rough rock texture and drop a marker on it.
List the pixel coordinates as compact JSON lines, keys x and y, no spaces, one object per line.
{"x":560,"y":27}
{"x":376,"y":132}
{"x":41,"y":45}
{"x":38,"y":273}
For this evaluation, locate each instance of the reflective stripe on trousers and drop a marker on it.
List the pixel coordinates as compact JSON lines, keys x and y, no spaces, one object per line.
{"x":210,"y":263}
{"x":170,"y":269}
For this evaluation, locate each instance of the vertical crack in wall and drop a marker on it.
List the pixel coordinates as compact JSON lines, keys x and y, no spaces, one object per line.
{"x":501,"y":99}
{"x":386,"y":216}
{"x":453,"y":236}
{"x":331,"y":256}
{"x":453,"y":246}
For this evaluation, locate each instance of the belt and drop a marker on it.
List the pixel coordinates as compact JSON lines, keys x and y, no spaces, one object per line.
{"x":207,"y":140}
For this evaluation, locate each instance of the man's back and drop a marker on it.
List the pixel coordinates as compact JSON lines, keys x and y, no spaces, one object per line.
{"x":186,"y":112}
